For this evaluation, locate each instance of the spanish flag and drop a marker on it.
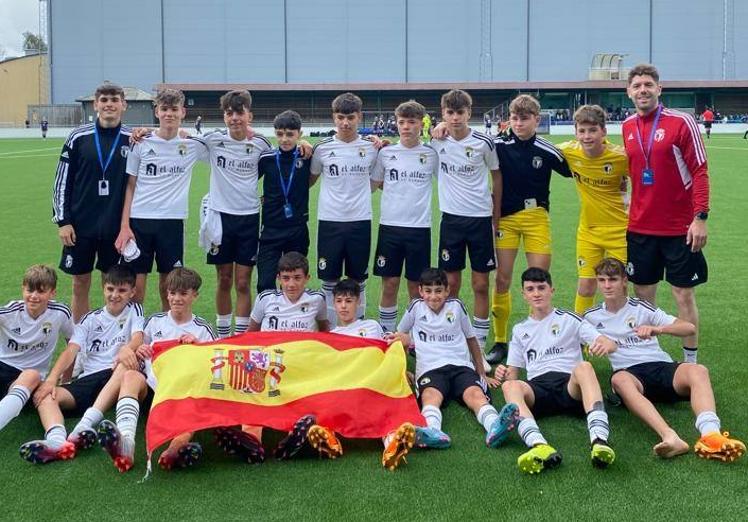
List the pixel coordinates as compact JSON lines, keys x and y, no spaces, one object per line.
{"x":355,"y":386}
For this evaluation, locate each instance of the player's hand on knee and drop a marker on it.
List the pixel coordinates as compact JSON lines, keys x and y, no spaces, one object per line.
{"x":492,"y":382}
{"x":144,"y":351}
{"x":67,"y":235}
{"x":44,"y":389}
{"x":127,"y":358}
{"x":500,"y":373}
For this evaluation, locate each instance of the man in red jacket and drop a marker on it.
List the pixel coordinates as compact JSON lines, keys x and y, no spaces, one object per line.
{"x":708,"y":118}
{"x":669,"y":199}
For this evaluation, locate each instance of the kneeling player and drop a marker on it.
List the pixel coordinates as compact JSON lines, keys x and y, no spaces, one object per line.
{"x":107,"y":338}
{"x":548,"y":344}
{"x":182,"y":287}
{"x":644,"y":373}
{"x":448,"y":363}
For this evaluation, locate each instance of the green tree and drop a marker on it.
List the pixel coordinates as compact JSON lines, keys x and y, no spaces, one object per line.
{"x":34,"y":41}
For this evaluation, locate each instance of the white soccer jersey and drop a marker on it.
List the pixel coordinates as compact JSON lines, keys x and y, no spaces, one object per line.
{"x":620,"y":327}
{"x":464,"y":168}
{"x":440,"y":338}
{"x":273,"y":311}
{"x":345,"y":193}
{"x":100,"y":336}
{"x":553,"y":344}
{"x":407,"y":174}
{"x":28,"y":344}
{"x":161,"y":327}
{"x":233,"y":172}
{"x":368,"y":328}
{"x":164,"y":171}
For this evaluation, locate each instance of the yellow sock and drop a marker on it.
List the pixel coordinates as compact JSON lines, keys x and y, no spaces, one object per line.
{"x":582,"y":303}
{"x":501,"y":308}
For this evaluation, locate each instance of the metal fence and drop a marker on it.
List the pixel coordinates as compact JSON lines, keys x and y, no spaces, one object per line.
{"x":57,"y":115}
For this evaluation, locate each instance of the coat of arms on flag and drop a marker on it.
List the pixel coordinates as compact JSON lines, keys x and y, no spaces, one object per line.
{"x":248,"y":370}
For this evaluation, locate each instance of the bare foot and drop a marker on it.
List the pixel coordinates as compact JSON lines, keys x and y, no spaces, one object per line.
{"x":671,"y":447}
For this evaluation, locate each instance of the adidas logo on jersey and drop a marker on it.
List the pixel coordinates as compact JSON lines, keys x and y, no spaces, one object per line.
{"x":599,"y":326}
{"x":631,"y":136}
{"x":98,"y":328}
{"x":393,"y":157}
{"x":275,"y":309}
{"x":526,"y":336}
{"x":158,"y":334}
{"x":150,"y":153}
{"x":65,"y":155}
{"x":16,"y":330}
{"x":332,"y":154}
{"x":221,"y":145}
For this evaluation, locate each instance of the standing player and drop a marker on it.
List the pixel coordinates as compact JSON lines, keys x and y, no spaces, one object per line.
{"x":644,"y":373}
{"x":470,"y":209}
{"x":233,"y":194}
{"x":156,"y":199}
{"x":526,"y":161}
{"x":285,"y":199}
{"x":45,"y":127}
{"x":199,"y":125}
{"x":344,"y":162}
{"x":89,"y":191}
{"x":548,"y":345}
{"x":669,"y":200}
{"x":29,"y":330}
{"x":404,"y":172}
{"x":600,"y":170}
{"x":488,"y":122}
{"x":708,"y":118}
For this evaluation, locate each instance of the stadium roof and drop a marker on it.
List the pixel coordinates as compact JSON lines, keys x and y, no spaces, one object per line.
{"x":507,"y":86}
{"x":131,"y":94}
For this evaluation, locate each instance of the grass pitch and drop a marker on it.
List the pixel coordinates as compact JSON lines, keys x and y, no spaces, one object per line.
{"x":465,"y":482}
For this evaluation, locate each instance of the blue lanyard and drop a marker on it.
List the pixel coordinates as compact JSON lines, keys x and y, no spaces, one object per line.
{"x":651,"y":136}
{"x":286,"y":188}
{"x":104,"y":166}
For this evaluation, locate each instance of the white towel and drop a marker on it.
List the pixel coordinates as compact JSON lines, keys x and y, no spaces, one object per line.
{"x":211,"y":230}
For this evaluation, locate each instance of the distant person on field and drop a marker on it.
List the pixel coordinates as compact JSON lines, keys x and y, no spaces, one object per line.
{"x":45,"y":127}
{"x":707,"y":117}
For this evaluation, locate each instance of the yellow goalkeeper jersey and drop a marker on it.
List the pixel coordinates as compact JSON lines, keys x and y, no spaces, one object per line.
{"x":601,"y":184}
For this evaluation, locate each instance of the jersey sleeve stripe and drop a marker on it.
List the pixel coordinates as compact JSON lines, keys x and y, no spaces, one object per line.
{"x":327,"y":140}
{"x":459,"y":302}
{"x":636,"y":302}
{"x":484,"y":138}
{"x":267,"y":153}
{"x":567,"y":312}
{"x":60,"y":307}
{"x":11,"y":309}
{"x":263,"y":138}
{"x":415,"y":302}
{"x":547,"y":146}
{"x":58,"y":196}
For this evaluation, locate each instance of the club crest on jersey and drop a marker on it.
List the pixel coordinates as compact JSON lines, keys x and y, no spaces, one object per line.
{"x":608,"y":168}
{"x":322,"y":263}
{"x":450,"y":317}
{"x":46,"y":328}
{"x":304,"y":308}
{"x":252,"y":370}
{"x":362,"y":152}
{"x":424,"y":381}
{"x":631,"y":322}
{"x":381,"y":261}
{"x":537,"y":162}
{"x":299,"y":163}
{"x":659,"y":134}
{"x":68,"y":261}
{"x":555,"y":329}
{"x":124,"y":150}
{"x":445,"y":254}
{"x":362,"y":332}
{"x":182,"y":149}
{"x":121,"y":323}
{"x":249,"y":148}
{"x":422,"y":158}
{"x":469,"y":152}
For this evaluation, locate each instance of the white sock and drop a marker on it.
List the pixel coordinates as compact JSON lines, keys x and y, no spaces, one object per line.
{"x":13,"y":403}
{"x":223,"y":325}
{"x":361,"y":308}
{"x":433,"y":416}
{"x":530,"y":432}
{"x":55,"y":436}
{"x":388,"y":318}
{"x":128,"y":410}
{"x":92,"y":417}
{"x":481,"y":327}
{"x":707,"y":422}
{"x":597,"y":425}
{"x":689,"y":355}
{"x":487,"y":415}
{"x":241,"y":324}
{"x":327,"y":287}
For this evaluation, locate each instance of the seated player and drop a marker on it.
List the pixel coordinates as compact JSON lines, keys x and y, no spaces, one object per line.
{"x":448,"y":363}
{"x":182,"y":289}
{"x":548,"y":344}
{"x":107,"y":338}
{"x":29,"y":330}
{"x":293,"y":308}
{"x":346,"y":293}
{"x":644,"y":373}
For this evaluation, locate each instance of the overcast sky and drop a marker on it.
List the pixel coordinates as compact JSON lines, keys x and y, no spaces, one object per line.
{"x":16,"y":17}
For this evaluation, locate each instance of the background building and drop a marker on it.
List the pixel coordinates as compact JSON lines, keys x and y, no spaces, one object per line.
{"x":20,"y":87}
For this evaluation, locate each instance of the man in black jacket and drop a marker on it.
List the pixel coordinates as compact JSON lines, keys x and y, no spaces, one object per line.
{"x":89,"y":192}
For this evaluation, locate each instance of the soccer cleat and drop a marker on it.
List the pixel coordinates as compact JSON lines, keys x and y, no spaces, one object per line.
{"x":183,"y":457}
{"x":502,"y":426}
{"x":538,"y":458}
{"x":296,"y":439}
{"x":399,"y":446}
{"x":121,"y":449}
{"x":432,"y":438}
{"x":719,"y":446}
{"x":244,"y":445}
{"x":40,"y":452}
{"x":324,"y":441}
{"x":84,"y":439}
{"x":498,"y":353}
{"x":602,"y":454}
